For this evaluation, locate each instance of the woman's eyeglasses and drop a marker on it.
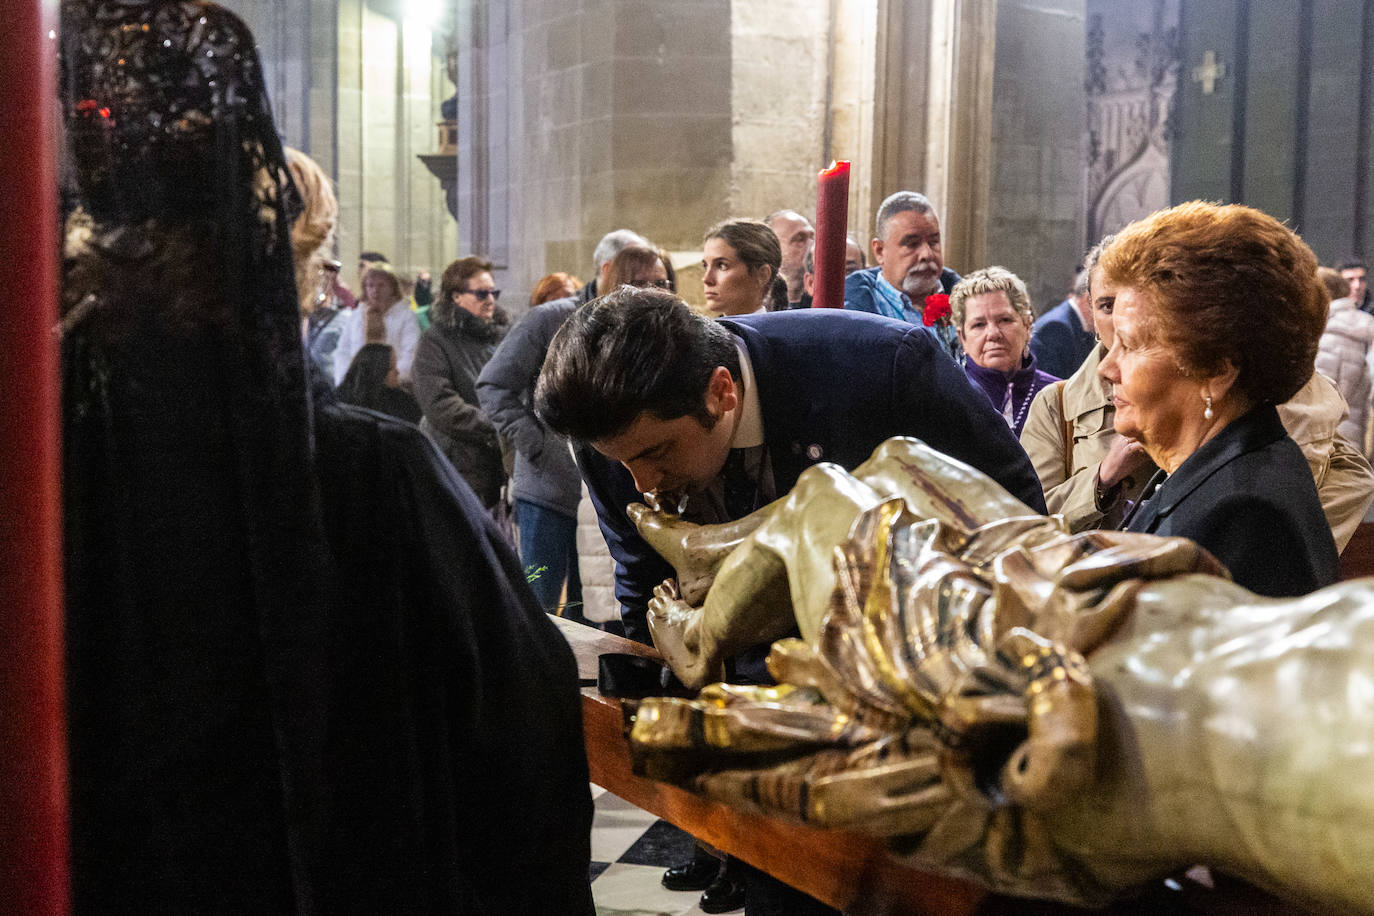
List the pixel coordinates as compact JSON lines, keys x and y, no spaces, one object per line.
{"x":482,"y":294}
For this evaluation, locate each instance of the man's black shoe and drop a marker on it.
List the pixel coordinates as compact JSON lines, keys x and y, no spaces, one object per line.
{"x":696,"y":875}
{"x":726,"y":893}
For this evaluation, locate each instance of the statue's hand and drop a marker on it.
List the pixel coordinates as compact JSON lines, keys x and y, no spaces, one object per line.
{"x":1025,"y":735}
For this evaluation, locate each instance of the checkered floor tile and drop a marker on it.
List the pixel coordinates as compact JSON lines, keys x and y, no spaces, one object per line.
{"x":630,"y":850}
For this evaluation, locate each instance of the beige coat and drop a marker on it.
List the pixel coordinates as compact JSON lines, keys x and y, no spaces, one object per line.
{"x":1345,"y":482}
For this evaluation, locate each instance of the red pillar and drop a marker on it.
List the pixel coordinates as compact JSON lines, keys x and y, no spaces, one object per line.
{"x":33,"y":773}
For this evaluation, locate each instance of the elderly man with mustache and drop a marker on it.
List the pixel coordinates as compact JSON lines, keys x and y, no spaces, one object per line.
{"x":909,"y":268}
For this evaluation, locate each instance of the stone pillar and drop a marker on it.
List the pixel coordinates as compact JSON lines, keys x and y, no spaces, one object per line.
{"x":980,"y":106}
{"x":573,"y":121}
{"x":850,"y":97}
{"x":959,"y":125}
{"x":1034,"y":212}
{"x":780,"y":56}
{"x":933,"y":112}
{"x":356,"y":84}
{"x":901,"y":87}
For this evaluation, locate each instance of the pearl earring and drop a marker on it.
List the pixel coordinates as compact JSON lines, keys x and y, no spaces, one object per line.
{"x":1207,"y":412}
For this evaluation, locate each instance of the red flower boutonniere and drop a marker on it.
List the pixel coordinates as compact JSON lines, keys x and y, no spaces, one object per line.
{"x":935,"y":309}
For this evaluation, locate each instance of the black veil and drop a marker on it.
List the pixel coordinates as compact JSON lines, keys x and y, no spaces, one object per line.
{"x":304,"y":674}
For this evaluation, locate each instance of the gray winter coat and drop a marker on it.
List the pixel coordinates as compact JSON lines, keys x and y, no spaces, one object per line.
{"x":544,"y":471}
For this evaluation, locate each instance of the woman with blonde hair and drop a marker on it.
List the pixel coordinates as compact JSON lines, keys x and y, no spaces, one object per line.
{"x":992,"y":314}
{"x":383,"y":316}
{"x":312,"y":235}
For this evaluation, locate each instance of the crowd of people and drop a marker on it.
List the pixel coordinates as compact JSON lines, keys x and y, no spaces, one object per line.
{"x":1153,"y":414}
{"x":1045,"y":377}
{"x":1174,"y":391}
{"x":1132,"y":404}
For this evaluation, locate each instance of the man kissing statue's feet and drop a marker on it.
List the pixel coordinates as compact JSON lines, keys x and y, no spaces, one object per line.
{"x":1058,"y":716}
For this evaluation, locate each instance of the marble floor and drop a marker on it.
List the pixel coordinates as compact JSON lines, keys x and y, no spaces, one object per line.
{"x":630,"y":850}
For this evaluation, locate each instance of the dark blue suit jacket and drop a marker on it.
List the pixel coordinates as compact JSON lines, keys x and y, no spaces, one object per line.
{"x":1060,"y":342}
{"x":833,"y":385}
{"x":1247,"y":496}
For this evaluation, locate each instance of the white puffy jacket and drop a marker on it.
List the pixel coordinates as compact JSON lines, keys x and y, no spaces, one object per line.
{"x":1342,"y":356}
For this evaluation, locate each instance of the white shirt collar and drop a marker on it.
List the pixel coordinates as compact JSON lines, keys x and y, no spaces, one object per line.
{"x":749,"y":432}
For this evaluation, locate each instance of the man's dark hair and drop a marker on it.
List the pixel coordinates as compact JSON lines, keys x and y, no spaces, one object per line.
{"x":632,"y":351}
{"x":1352,"y":264}
{"x":373,"y":257}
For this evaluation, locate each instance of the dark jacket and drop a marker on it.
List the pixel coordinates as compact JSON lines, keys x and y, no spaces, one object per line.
{"x":454,"y":757}
{"x":304,"y":675}
{"x":447,"y":361}
{"x":544,"y":471}
{"x":1247,"y":496}
{"x":833,"y":385}
{"x":1059,"y":340}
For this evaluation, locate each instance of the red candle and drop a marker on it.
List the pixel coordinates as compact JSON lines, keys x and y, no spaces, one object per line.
{"x":832,"y":224}
{"x":33,"y":771}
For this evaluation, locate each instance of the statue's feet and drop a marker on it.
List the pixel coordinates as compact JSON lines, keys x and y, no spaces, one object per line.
{"x":674,"y":625}
{"x":694,"y":551}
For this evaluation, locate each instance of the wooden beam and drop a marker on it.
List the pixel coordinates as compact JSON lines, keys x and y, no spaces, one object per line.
{"x":33,"y":774}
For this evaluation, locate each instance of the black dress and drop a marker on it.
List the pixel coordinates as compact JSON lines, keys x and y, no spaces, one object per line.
{"x":304,"y":673}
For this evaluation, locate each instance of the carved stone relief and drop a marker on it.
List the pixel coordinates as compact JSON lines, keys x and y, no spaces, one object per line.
{"x":1131,"y":78}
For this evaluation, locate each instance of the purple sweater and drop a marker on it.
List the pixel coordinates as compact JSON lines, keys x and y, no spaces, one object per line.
{"x":1011,"y":393}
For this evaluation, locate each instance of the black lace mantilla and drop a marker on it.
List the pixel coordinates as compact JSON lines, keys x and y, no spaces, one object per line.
{"x":194,"y":551}
{"x":158,"y":98}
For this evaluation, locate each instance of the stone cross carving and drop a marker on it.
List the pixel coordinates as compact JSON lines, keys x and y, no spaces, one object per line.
{"x":1209,"y":73}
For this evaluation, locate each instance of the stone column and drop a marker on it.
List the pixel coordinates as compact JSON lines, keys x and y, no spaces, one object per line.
{"x":850,"y":96}
{"x":933,"y":112}
{"x":576,"y":120}
{"x":356,"y":84}
{"x":959,"y":125}
{"x":979,"y":105}
{"x":1035,"y":152}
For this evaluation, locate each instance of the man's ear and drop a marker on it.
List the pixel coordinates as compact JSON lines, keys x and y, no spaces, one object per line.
{"x":722,"y":394}
{"x":602,"y":274}
{"x":877,"y":245}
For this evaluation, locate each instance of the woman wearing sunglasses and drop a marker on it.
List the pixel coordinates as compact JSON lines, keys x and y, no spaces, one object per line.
{"x":466,"y":327}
